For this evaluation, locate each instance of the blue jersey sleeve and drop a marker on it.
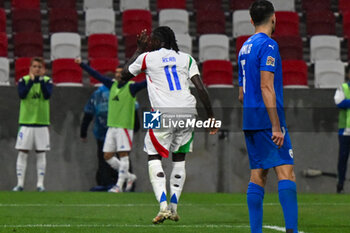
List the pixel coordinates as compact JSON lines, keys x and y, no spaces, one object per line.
{"x":46,"y":88}
{"x":344,"y":104}
{"x":136,"y":87}
{"x":269,"y":54}
{"x":240,"y":73}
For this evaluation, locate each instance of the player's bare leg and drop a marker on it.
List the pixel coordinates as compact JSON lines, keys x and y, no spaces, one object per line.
{"x":177,"y":180}
{"x":158,"y":181}
{"x":288,"y":196}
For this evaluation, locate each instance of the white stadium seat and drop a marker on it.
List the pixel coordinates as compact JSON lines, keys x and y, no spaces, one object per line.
{"x":213,"y":47}
{"x":99,"y":21}
{"x":324,"y":48}
{"x":184,"y":41}
{"x":134,"y":4}
{"x":65,"y":45}
{"x":241,"y":23}
{"x":283,"y":5}
{"x":176,"y":19}
{"x":94,"y":4}
{"x":4,"y":71}
{"x":329,"y":74}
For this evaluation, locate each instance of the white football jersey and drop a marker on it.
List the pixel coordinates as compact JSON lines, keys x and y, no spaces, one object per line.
{"x":168,"y":74}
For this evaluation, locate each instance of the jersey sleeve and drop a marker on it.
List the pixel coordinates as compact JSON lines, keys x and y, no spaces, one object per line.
{"x":269,"y":54}
{"x":240,"y":73}
{"x":138,"y":65}
{"x":192,"y":67}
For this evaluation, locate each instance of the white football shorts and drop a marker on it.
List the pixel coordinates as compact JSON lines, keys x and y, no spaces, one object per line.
{"x":118,"y":139}
{"x":29,"y":138}
{"x":165,"y":140}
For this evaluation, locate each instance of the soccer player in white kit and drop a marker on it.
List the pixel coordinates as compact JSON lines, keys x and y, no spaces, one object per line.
{"x":167,"y":73}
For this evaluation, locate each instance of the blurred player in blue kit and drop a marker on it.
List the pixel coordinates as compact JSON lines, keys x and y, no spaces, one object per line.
{"x":266,"y":135}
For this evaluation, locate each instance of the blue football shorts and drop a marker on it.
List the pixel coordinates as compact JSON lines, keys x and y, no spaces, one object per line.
{"x":263,"y":152}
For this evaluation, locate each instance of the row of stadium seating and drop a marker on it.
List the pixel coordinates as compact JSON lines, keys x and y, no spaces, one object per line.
{"x":328,"y":74}
{"x":280,"y":5}
{"x":103,"y":21}
{"x":103,"y":46}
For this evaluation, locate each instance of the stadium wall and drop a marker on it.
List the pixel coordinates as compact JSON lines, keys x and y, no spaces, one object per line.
{"x":218,"y":164}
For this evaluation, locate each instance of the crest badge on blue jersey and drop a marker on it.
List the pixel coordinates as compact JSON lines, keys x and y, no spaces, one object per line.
{"x":151,"y":120}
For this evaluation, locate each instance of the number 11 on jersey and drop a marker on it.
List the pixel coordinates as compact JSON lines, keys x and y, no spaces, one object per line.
{"x":176,"y":78}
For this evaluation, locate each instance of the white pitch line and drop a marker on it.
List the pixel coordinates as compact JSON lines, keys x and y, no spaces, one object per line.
{"x":118,"y":225}
{"x":145,"y":205}
{"x":280,"y":229}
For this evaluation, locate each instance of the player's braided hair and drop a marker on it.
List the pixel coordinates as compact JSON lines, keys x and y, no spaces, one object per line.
{"x":166,"y":37}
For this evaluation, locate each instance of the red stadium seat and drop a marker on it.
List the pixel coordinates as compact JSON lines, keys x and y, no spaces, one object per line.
{"x":26,"y":4}
{"x":290,"y":47}
{"x":3,"y":44}
{"x":239,"y":43}
{"x":66,"y":72}
{"x":28,"y":44}
{"x":22,"y":65}
{"x":316,"y":5}
{"x":287,"y":23}
{"x":344,"y":6}
{"x":103,"y":65}
{"x":26,"y":20}
{"x":62,"y":4}
{"x":63,"y":20}
{"x":346,"y":24}
{"x":215,"y":24}
{"x":102,"y":46}
{"x":171,"y":4}
{"x":134,"y":21}
{"x":320,"y":23}
{"x":207,"y":4}
{"x":2,"y":3}
{"x":294,"y":73}
{"x":217,"y":72}
{"x":240,"y":5}
{"x":2,"y":20}
{"x":130,"y":43}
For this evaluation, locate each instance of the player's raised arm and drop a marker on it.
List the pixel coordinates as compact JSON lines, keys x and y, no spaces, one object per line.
{"x":204,"y":97}
{"x":95,"y":74}
{"x":142,"y":44}
{"x":269,"y":97}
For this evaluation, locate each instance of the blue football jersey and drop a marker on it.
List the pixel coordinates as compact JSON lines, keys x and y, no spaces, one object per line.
{"x":259,"y":53}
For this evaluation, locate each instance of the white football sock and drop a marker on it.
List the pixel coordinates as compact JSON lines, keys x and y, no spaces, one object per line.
{"x":114,"y":163}
{"x":40,"y":167}
{"x":21,"y":166}
{"x":177,"y":180}
{"x":158,"y":181}
{"x":123,"y":171}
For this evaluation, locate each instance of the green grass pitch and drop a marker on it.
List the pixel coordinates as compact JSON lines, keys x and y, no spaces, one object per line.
{"x":68,"y":212}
